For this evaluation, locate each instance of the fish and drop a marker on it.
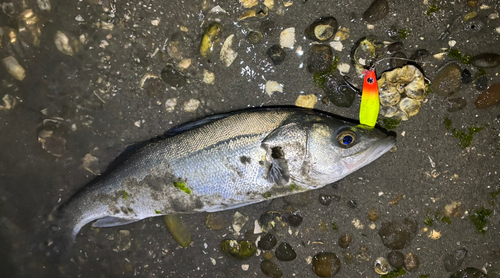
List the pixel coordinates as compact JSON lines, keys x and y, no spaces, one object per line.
{"x":219,"y":163}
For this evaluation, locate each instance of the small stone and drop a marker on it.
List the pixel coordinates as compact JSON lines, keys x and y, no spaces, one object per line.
{"x":411,"y":261}
{"x":326,"y":200}
{"x":373,"y":215}
{"x":398,"y":62}
{"x":489,"y":98}
{"x":173,"y":77}
{"x":482,"y":83}
{"x":178,"y":228}
{"x":466,"y":76}
{"x":468,"y":272}
{"x":306,"y":101}
{"x":320,"y":58}
{"x":241,"y":249}
{"x":285,"y":252}
{"x":254,"y":37}
{"x":395,"y":47}
{"x":339,"y":96}
{"x":447,"y":81}
{"x":208,"y":77}
{"x":287,"y":38}
{"x":191,"y":105}
{"x":295,"y":220}
{"x":326,"y":264}
{"x":267,"y":242}
{"x":268,"y":255}
{"x":322,"y":29}
{"x":455,"y":104}
{"x":270,"y":269}
{"x":352,"y":204}
{"x":272,"y":87}
{"x":276,"y":54}
{"x":378,"y":10}
{"x":397,"y":234}
{"x":345,"y":241}
{"x":452,"y":262}
{"x":14,"y":68}
{"x":486,"y":60}
{"x":271,"y":220}
{"x":9,"y":102}
{"x":396,"y":259}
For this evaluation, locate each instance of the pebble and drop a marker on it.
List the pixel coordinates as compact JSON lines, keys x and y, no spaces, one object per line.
{"x":396,"y":259}
{"x":267,"y":242}
{"x":239,"y":220}
{"x":397,"y":234}
{"x":468,"y":272}
{"x":326,"y":264}
{"x":455,"y":104}
{"x":326,"y":200}
{"x":295,"y":220}
{"x":397,"y":63}
{"x":373,"y":215}
{"x":173,"y":77}
{"x":241,"y":249}
{"x":320,"y":58}
{"x":191,"y":105}
{"x":271,"y":220}
{"x":270,"y":269}
{"x":395,"y":47}
{"x":482,"y":83}
{"x":453,"y":261}
{"x":447,"y":81}
{"x":466,"y":76}
{"x":254,"y":37}
{"x":340,"y":96}
{"x":486,"y":60}
{"x":489,"y":98}
{"x":178,"y":228}
{"x":345,"y":241}
{"x":306,"y":101}
{"x":411,"y":262}
{"x":377,"y":11}
{"x":276,"y":54}
{"x":322,"y":29}
{"x":268,"y":255}
{"x":285,"y":252}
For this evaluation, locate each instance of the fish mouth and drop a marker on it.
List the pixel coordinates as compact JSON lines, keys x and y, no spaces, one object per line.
{"x":369,"y":155}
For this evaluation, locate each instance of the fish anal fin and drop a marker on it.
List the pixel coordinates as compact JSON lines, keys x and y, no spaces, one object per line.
{"x":111,"y":221}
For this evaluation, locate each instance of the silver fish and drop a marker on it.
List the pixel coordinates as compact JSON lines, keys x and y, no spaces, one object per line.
{"x":222,"y":162}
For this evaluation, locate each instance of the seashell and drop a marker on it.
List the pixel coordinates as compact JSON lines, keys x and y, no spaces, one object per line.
{"x":14,"y":68}
{"x":381,"y":266}
{"x":409,"y":106}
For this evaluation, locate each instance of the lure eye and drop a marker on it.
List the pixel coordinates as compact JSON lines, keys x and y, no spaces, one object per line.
{"x":369,"y":80}
{"x":346,"y":138}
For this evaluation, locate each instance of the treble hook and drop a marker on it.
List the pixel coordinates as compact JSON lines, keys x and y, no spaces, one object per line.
{"x":349,"y":85}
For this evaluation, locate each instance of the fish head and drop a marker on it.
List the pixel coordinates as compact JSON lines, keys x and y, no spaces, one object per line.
{"x":337,"y":148}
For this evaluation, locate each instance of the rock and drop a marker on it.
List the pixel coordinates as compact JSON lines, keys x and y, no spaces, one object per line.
{"x":326,"y":200}
{"x":466,"y":76}
{"x":267,"y":242}
{"x":396,"y":259}
{"x":468,"y":272}
{"x":486,"y":60}
{"x":241,"y":249}
{"x":397,"y":63}
{"x":339,"y":96}
{"x":482,"y":83}
{"x":377,"y":11}
{"x":276,"y":54}
{"x":397,"y":234}
{"x":178,"y":228}
{"x":447,"y":81}
{"x":173,"y":77}
{"x":345,"y":241}
{"x":326,"y":264}
{"x":489,"y":97}
{"x":455,"y":104}
{"x":285,"y":252}
{"x":270,"y":269}
{"x":411,"y":262}
{"x":320,"y":58}
{"x":322,"y":29}
{"x":294,"y":220}
{"x":453,"y":261}
{"x":373,"y":215}
{"x":395,"y":47}
{"x":254,"y":37}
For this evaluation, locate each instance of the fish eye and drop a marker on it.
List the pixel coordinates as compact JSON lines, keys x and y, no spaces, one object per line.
{"x":369,"y":80}
{"x":346,"y":138}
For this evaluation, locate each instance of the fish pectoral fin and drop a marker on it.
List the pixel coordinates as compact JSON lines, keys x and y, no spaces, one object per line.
{"x":278,"y":172}
{"x":111,"y":221}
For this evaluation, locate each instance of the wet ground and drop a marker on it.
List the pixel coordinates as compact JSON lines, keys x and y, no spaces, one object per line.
{"x":84,"y":97}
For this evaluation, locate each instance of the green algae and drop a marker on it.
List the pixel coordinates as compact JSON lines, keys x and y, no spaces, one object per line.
{"x":321,"y":78}
{"x":428,"y":221}
{"x":404,"y":33}
{"x":182,"y":186}
{"x":465,"y":59}
{"x":293,"y":187}
{"x":446,"y":220}
{"x":124,"y":195}
{"x":391,"y":123}
{"x":334,"y":226}
{"x":241,"y":249}
{"x":157,"y":212}
{"x":464,"y":137}
{"x":395,"y":273}
{"x":267,"y":194}
{"x":480,"y":219}
{"x":432,"y":9}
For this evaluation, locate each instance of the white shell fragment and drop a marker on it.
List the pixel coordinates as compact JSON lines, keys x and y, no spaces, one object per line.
{"x":306,"y":101}
{"x":208,"y":77}
{"x":8,"y":102}
{"x":344,"y":68}
{"x":287,"y":38}
{"x":91,"y":164}
{"x":14,"y":68}
{"x":44,"y":5}
{"x":273,"y":86}
{"x":227,"y":54}
{"x":337,"y":45}
{"x":381,"y":266}
{"x":191,"y":105}
{"x":248,"y":3}
{"x":269,"y":4}
{"x":62,"y":43}
{"x":170,"y":104}
{"x":239,"y":220}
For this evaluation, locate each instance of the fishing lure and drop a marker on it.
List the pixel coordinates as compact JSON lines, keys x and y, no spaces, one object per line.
{"x":370,"y":103}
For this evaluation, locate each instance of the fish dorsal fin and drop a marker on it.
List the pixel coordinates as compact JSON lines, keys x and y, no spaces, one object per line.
{"x":192,"y":125}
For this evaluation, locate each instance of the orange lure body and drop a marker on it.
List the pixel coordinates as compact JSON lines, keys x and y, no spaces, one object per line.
{"x":370,"y":104}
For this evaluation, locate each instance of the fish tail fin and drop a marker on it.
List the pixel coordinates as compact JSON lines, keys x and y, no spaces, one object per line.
{"x":61,"y":236}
